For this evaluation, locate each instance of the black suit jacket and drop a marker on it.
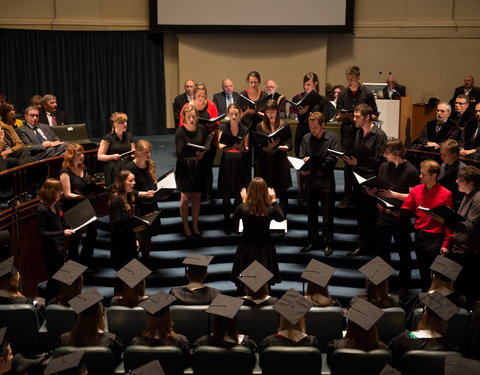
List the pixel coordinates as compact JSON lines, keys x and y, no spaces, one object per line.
{"x":400,"y":91}
{"x":62,"y":118}
{"x":447,"y":131}
{"x":29,"y":138}
{"x":474,"y":96}
{"x":178,"y":104}
{"x":220,"y":100}
{"x":470,"y":128}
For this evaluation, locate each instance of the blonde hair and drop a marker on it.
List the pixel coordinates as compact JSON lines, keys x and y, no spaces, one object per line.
{"x":116,"y":118}
{"x":141,"y":146}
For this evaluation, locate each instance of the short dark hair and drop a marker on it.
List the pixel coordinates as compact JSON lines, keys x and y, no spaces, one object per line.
{"x":465,"y":97}
{"x":431,"y":166}
{"x":396,"y":147}
{"x":470,"y":174}
{"x":364,"y":109}
{"x":317,"y":116}
{"x":353,"y":71}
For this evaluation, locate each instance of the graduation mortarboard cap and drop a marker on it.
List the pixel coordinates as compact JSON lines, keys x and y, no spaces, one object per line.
{"x":151,"y":368}
{"x":364,"y":313}
{"x":61,"y":365}
{"x":458,"y":365}
{"x":377,"y":270}
{"x":389,"y":370}
{"x":133,"y":272}
{"x":255,"y":276}
{"x":157,"y":302}
{"x":318,"y":273}
{"x":446,"y":267}
{"x":7,"y":269}
{"x":292,"y":306}
{"x":69,"y":272}
{"x":439,"y":304}
{"x":3,"y":331}
{"x":225,"y":306}
{"x":86,"y":302}
{"x":197,"y":260}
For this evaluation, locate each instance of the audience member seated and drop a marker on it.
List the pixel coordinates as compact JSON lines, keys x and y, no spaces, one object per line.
{"x":377,"y":272}
{"x":438,"y":130}
{"x":70,"y":277}
{"x":271,"y":89}
{"x":431,"y":333}
{"x":393,"y":90}
{"x":90,"y":327}
{"x":226,"y":97}
{"x":49,"y":114}
{"x":318,"y":274}
{"x":182,"y":99}
{"x":444,"y":274}
{"x":8,"y":117}
{"x":36,"y":101}
{"x":159,"y":331}
{"x":225,"y":332}
{"x":361,"y":331}
{"x":471,"y":136}
{"x":462,"y":113}
{"x":449,"y":152}
{"x":256,"y":277}
{"x":6,"y":355}
{"x":292,"y":308}
{"x":40,"y":136}
{"x":195,"y":292}
{"x":10,"y":284}
{"x":468,"y":89}
{"x":133,"y":275}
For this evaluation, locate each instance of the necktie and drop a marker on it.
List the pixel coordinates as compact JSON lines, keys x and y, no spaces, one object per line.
{"x":229,"y":100}
{"x":54,"y":119}
{"x":474,"y":135}
{"x":40,"y":137}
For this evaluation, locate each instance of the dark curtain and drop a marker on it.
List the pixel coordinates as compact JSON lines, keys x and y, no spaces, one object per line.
{"x":92,"y":74}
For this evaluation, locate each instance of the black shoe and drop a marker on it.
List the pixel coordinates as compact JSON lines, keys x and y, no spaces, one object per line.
{"x":355,"y":252}
{"x":328,"y":250}
{"x":308,"y":248}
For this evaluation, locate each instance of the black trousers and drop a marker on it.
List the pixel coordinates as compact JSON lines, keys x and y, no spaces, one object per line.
{"x":209,"y":159}
{"x":366,"y":216}
{"x":468,"y":280}
{"x":86,"y":256}
{"x":320,"y":189}
{"x":389,"y":226}
{"x":427,"y":247}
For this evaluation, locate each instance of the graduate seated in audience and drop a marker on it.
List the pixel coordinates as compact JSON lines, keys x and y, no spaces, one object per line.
{"x":8,"y":116}
{"x":6,"y":355}
{"x":444,"y":273}
{"x":69,"y":364}
{"x":159,"y":330}
{"x":377,"y":272}
{"x":256,"y":277}
{"x":70,"y":277}
{"x":133,"y":275}
{"x":225,"y":330}
{"x":36,"y":101}
{"x":361,"y":331}
{"x":317,"y":275}
{"x":10,"y":284}
{"x":195,"y":292}
{"x":292,"y":308}
{"x":90,"y":327}
{"x":431,"y":333}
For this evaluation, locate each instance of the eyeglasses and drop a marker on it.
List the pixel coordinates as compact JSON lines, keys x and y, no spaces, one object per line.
{"x":459,"y":103}
{"x":33,"y":115}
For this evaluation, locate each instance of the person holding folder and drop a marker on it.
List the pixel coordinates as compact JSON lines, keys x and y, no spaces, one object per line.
{"x":253,"y":94}
{"x":74,"y":178}
{"x":143,"y":168}
{"x":190,"y":170}
{"x":233,"y":174}
{"x":271,"y":161}
{"x":114,"y":147}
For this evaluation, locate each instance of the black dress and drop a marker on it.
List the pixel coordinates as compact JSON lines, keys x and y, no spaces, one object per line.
{"x":256,"y":242}
{"x":123,"y":243}
{"x":77,"y":184}
{"x":273,"y":166}
{"x":116,"y":146}
{"x":190,"y":172}
{"x":178,"y":340}
{"x":279,"y":340}
{"x":200,"y":296}
{"x":144,"y":205}
{"x":233,"y":172}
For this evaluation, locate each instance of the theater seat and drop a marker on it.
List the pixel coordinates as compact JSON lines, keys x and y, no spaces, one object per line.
{"x":391,"y":324}
{"x":326,"y":323}
{"x":421,"y":362}
{"x":126,"y":322}
{"x":257,"y":322}
{"x":285,"y":360}
{"x":98,"y":359}
{"x":212,"y":360}
{"x":191,"y":321}
{"x":346,"y":361}
{"x":170,"y":357}
{"x":59,"y":319}
{"x":75,"y":133}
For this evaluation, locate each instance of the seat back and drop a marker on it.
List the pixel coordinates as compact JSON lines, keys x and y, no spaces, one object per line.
{"x":191,"y":321}
{"x":23,"y":328}
{"x":421,"y":362}
{"x":98,"y":359}
{"x":346,"y":361}
{"x":126,"y":322}
{"x":59,"y":319}
{"x":170,"y":357}
{"x":286,"y":360}
{"x":257,"y":322}
{"x":457,"y":325}
{"x":212,"y":360}
{"x":326,"y":323}
{"x":391,"y":324}
{"x":74,"y":133}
